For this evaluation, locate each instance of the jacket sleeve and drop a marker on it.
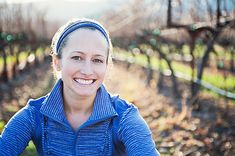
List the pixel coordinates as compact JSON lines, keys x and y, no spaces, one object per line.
{"x":136,"y":135}
{"x":17,"y":133}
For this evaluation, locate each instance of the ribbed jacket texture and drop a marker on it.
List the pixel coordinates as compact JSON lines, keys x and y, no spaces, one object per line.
{"x":114,"y":128}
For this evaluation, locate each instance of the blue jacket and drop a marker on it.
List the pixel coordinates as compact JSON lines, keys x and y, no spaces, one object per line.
{"x":115,"y":127}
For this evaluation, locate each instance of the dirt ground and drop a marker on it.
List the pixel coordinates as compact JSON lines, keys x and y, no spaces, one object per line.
{"x":178,"y":129}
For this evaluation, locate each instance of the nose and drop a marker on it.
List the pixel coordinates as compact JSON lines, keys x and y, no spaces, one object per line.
{"x":86,"y":68}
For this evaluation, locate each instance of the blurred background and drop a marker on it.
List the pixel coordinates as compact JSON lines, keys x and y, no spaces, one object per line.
{"x":174,"y":59}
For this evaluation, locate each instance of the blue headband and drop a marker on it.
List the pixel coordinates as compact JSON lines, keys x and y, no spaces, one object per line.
{"x":77,"y":25}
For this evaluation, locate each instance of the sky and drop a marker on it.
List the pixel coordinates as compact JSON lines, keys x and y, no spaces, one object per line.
{"x":64,"y":10}
{"x":28,"y":1}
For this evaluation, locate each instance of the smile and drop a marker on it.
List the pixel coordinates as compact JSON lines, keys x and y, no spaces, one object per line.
{"x":84,"y":82}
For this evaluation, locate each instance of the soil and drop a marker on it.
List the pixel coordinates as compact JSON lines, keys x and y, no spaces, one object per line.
{"x":178,"y":127}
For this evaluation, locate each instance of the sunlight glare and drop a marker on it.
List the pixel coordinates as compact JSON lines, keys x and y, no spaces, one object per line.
{"x":32,"y":1}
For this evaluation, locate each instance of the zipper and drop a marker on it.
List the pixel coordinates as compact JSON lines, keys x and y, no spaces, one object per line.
{"x":45,"y":135}
{"x":88,"y":123}
{"x":74,"y":145}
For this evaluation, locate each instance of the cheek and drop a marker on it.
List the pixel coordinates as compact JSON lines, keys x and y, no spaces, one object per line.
{"x":102,"y":71}
{"x":67,"y":67}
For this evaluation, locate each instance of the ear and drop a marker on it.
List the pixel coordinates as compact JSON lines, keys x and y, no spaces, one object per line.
{"x":56,"y":63}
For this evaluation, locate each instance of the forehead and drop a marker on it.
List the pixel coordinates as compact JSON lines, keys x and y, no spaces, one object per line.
{"x":86,"y":40}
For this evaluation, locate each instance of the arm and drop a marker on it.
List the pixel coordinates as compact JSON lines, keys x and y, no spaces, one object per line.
{"x":17,"y":133}
{"x":135,"y":135}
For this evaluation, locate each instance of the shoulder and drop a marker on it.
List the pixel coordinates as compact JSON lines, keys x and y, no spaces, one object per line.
{"x":129,"y":118}
{"x":32,"y":110}
{"x":26,"y":116}
{"x":122,"y":106}
{"x":33,"y":106}
{"x":127,"y":112}
{"x":36,"y":103}
{"x":131,"y":131}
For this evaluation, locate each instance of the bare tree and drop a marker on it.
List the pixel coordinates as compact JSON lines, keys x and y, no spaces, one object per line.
{"x":195,"y":32}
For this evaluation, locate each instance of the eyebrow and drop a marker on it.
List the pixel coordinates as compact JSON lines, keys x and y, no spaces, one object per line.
{"x":80,"y":52}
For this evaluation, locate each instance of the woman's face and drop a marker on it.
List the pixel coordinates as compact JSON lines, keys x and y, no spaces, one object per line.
{"x":83,"y":62}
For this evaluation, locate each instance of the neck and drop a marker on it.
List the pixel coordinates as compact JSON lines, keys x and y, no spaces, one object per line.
{"x":74,"y":104}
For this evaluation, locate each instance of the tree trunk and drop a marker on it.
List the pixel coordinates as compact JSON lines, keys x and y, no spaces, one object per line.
{"x":204,"y":61}
{"x":4,"y":72}
{"x":169,"y":8}
{"x":218,"y":14}
{"x":232,"y":60}
{"x":173,"y":77}
{"x":160,"y":79}
{"x":12,"y":63}
{"x":192,"y":65}
{"x":150,"y":70}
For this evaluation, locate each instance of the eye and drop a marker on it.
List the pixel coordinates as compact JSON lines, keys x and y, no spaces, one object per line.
{"x":76,"y":58}
{"x":98,"y":61}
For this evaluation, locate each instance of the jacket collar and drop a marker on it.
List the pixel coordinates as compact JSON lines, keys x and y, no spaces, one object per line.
{"x":53,"y":106}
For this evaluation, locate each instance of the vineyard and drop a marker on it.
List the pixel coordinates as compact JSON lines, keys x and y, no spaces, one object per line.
{"x":176,"y":127}
{"x":180,"y":75}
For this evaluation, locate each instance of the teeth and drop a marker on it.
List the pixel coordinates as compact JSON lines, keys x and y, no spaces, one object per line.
{"x":84,"y":82}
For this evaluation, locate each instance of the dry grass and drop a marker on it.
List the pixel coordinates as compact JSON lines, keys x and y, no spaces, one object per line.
{"x":177,"y":128}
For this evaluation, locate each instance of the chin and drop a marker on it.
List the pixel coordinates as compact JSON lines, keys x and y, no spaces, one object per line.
{"x":86,"y":94}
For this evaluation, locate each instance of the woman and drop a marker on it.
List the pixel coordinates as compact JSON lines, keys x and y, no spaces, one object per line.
{"x":79,"y":117}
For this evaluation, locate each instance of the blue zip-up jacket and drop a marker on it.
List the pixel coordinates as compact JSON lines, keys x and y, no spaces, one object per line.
{"x":115,"y":127}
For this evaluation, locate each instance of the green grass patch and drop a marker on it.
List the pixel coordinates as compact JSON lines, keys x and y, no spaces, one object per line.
{"x":40,"y":52}
{"x":11,"y":59}
{"x":30,"y":150}
{"x":222,"y":53}
{"x":210,"y":77}
{"x":22,"y":56}
{"x":2,"y":124}
{"x":220,"y":82}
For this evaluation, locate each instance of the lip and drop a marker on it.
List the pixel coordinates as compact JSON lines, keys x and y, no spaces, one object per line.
{"x":82,"y":81}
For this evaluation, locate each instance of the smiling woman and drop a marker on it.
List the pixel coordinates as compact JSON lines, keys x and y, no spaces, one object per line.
{"x":79,"y":116}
